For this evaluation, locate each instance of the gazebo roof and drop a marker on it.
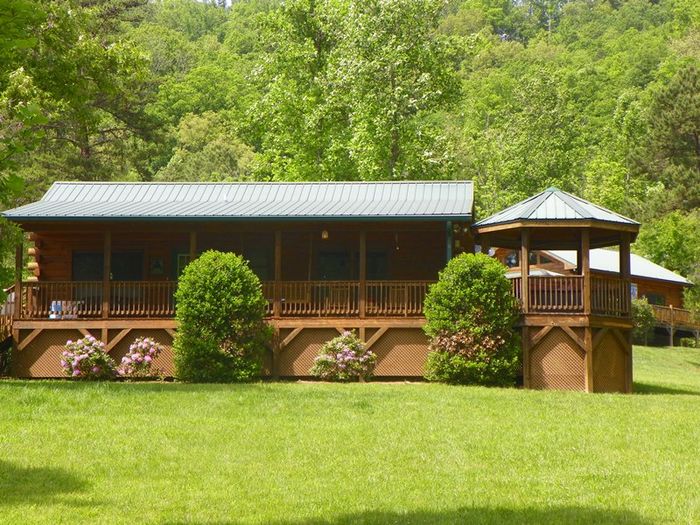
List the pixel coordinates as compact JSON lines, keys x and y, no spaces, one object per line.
{"x":555,"y":205}
{"x":555,"y":219}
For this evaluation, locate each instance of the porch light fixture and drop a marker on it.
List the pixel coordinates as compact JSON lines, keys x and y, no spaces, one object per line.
{"x":396,"y":241}
{"x":324,"y":235}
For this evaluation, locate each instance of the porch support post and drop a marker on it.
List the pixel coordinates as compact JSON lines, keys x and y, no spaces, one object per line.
{"x":106,"y":270}
{"x":17,"y":308}
{"x":585,"y":265}
{"x":625,"y":270}
{"x":449,"y":240}
{"x":277,"y":300}
{"x":363,"y":273}
{"x":525,"y":269}
{"x":193,"y":245}
{"x":586,"y":269}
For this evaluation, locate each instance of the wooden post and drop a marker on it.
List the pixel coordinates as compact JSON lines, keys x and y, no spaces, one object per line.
{"x":363,"y":273}
{"x":671,"y":326}
{"x":525,"y":269}
{"x":625,"y":270}
{"x":588,"y":367}
{"x":17,"y":308}
{"x":586,"y":269}
{"x":449,"y":241}
{"x":106,"y":271}
{"x":193,"y":245}
{"x":526,"y":356}
{"x":277,"y":300}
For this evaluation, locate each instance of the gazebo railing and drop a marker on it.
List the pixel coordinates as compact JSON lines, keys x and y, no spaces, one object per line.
{"x":610,"y":296}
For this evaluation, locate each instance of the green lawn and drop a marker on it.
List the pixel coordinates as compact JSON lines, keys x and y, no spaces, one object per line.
{"x":375,"y":453}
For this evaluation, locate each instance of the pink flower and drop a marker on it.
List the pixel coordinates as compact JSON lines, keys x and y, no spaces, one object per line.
{"x":148,"y":359}
{"x":76,"y":372}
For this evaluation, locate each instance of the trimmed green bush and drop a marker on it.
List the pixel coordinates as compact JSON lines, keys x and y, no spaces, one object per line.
{"x":222,"y":334}
{"x":643,"y":319}
{"x":470,"y":313}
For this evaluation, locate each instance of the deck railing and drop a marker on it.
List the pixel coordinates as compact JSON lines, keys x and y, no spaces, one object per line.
{"x":396,"y":298}
{"x":675,"y":317}
{"x":610,"y":296}
{"x":61,"y":299}
{"x":142,"y":299}
{"x":154,"y":299}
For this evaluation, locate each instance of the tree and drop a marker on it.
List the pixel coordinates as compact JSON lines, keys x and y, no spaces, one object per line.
{"x":673,"y":241}
{"x":674,"y":142}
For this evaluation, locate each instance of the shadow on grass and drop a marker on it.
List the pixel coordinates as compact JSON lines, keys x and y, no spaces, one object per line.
{"x":38,"y":485}
{"x":649,"y":388}
{"x":478,"y":515}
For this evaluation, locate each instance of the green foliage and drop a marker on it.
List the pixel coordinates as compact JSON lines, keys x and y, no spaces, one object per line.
{"x":673,"y":241}
{"x":470,"y":313}
{"x":644,"y":320}
{"x":220,"y":309}
{"x":344,"y":358}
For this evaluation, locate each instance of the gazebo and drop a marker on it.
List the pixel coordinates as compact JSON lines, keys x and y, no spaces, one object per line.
{"x":575,"y":329}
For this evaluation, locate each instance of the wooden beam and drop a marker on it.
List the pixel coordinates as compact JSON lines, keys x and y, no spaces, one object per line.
{"x":599,"y":337}
{"x":589,"y":377}
{"x":290,"y":337}
{"x":375,"y":337}
{"x":526,"y":356}
{"x":193,"y":245}
{"x":18,"y":281}
{"x":539,"y":335}
{"x":277,"y":299}
{"x":340,"y":330}
{"x":363,"y":274}
{"x":106,"y":271}
{"x":580,"y":342}
{"x":586,"y":269}
{"x":525,"y":269}
{"x":449,"y":241}
{"x":25,"y":342}
{"x":170,"y":332}
{"x":114,"y":342}
{"x":84,"y":332}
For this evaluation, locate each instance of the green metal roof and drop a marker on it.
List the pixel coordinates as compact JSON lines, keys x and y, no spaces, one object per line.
{"x":554,"y":205}
{"x":445,"y":200}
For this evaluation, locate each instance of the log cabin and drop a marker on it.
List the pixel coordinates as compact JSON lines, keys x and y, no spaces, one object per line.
{"x":105,"y":257}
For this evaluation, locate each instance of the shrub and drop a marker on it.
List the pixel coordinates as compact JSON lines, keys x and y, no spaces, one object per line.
{"x":470,"y":313}
{"x":138,"y":361}
{"x":643,"y":319}
{"x":689,"y":342}
{"x":220,"y":308}
{"x":86,"y":359}
{"x":344,"y":358}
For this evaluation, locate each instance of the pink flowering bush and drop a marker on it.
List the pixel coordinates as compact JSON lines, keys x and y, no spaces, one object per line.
{"x":138,"y":361}
{"x":343,"y":359}
{"x":86,"y":359}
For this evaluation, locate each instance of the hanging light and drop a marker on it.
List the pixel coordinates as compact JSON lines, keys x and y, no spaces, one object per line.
{"x":396,"y":241}
{"x":324,"y":235}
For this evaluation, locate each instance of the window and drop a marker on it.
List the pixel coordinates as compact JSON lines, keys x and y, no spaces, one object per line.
{"x":634,"y":290}
{"x":656,"y":298}
{"x":125,"y":266}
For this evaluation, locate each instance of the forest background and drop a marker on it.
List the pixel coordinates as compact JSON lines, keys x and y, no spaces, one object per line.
{"x":597,"y":97}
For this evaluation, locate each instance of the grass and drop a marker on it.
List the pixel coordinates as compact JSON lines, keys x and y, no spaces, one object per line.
{"x":376,"y":453}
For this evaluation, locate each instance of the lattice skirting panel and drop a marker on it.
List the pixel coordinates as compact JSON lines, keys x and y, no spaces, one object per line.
{"x":557,"y":362}
{"x":41,"y":357}
{"x":401,"y":352}
{"x":610,"y":361}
